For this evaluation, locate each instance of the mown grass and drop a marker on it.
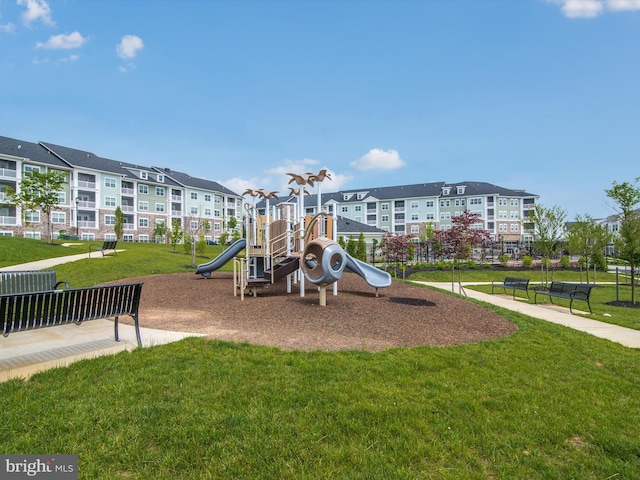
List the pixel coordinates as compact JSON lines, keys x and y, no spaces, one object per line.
{"x":545,"y":403}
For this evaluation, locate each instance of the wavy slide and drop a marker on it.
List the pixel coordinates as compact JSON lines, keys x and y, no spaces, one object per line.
{"x":372,"y":275}
{"x":234,"y":249}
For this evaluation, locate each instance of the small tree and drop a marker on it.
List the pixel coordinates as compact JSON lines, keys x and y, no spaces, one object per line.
{"x":587,"y":239}
{"x":627,"y":196}
{"x":118,"y":227}
{"x":396,"y":248}
{"x":548,"y":226}
{"x":176,"y":233}
{"x":361,"y":249}
{"x":160,"y":232}
{"x":39,"y":191}
{"x":351,"y":246}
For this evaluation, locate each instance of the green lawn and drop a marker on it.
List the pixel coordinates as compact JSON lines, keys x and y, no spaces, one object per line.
{"x":545,"y":403}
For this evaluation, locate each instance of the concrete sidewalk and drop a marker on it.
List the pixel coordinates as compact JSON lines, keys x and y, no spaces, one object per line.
{"x":25,"y":353}
{"x":551,"y":313}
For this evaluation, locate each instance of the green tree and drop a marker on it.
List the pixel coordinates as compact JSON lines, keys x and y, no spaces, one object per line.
{"x":187,"y":244}
{"x":361,"y":250}
{"x":548,"y":224}
{"x":176,"y":233}
{"x":201,"y":244}
{"x":627,"y":242}
{"x":351,"y":246}
{"x":160,"y":232}
{"x":118,"y":227}
{"x":39,"y":191}
{"x":587,"y":239}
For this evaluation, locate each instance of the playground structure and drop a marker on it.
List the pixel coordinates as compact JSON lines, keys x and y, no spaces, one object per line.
{"x":284,"y":245}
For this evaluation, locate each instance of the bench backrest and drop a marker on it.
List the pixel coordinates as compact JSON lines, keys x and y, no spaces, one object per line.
{"x":109,"y":244}
{"x":27,"y":281}
{"x":516,"y":281}
{"x":30,"y":311}
{"x":564,"y":288}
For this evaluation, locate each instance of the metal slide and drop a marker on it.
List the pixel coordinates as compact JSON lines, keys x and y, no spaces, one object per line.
{"x":372,"y":275}
{"x":234,"y":249}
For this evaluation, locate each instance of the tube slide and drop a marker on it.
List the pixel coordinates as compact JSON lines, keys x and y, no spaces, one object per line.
{"x":372,"y":275}
{"x":234,"y":249}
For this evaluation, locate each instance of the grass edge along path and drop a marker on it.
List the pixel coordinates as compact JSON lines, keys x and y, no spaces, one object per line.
{"x":546,"y":402}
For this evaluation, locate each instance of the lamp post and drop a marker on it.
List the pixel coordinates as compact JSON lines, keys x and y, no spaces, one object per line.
{"x":77,"y":216}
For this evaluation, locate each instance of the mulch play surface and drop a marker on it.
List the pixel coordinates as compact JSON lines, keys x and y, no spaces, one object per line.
{"x":402,"y":316}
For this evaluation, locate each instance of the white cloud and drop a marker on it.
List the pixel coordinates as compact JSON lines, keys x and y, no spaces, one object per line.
{"x":240,"y":185}
{"x":620,"y":5}
{"x":73,"y":40}
{"x":378,"y":159}
{"x":594,"y":8}
{"x":129,"y":46}
{"x":36,"y":10}
{"x":8,"y":28}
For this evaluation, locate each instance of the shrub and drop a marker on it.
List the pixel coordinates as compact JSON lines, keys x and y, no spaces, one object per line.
{"x":504,"y":260}
{"x":565,"y":262}
{"x":527,"y":261}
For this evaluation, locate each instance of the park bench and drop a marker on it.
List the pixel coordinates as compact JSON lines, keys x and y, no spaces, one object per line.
{"x":29,"y":311}
{"x":24,"y":281}
{"x":513,"y":283}
{"x":569,"y":291}
{"x":106,"y":245}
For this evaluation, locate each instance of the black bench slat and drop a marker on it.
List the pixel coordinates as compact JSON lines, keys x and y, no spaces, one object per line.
{"x":33,"y":310}
{"x":23,"y":281}
{"x":568,"y":291}
{"x":513,"y":283}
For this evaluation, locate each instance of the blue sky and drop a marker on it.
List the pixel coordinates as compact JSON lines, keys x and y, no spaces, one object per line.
{"x":542,"y":95}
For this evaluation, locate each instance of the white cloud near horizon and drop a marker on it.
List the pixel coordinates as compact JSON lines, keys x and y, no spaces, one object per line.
{"x":36,"y":10}
{"x":594,"y":8}
{"x":73,"y":40}
{"x":378,"y":159}
{"x":129,"y":46}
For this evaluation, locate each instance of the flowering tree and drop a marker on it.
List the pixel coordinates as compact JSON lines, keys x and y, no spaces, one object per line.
{"x":461,"y":237}
{"x":396,"y":248}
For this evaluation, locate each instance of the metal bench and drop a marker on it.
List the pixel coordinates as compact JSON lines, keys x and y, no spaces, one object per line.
{"x":513,"y":283}
{"x":106,"y":245}
{"x":24,"y":281}
{"x":29,"y":311}
{"x":569,"y":291}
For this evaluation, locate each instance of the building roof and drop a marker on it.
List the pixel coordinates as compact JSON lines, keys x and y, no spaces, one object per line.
{"x":187,"y":180}
{"x":484,"y":188}
{"x":346,"y":225}
{"x":33,"y":152}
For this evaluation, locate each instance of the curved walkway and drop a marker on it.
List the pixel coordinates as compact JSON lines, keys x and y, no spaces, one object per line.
{"x":551,"y":313}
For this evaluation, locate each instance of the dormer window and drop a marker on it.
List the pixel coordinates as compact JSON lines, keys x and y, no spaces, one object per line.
{"x":161,"y":178}
{"x":460,"y":190}
{"x":143,"y":175}
{"x":446,"y":190}
{"x":360,"y":195}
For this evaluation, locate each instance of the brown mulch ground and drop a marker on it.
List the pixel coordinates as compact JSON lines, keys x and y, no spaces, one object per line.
{"x":402,"y":316}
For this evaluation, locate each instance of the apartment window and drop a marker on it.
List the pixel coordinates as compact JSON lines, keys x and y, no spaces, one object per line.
{"x":216,"y":227}
{"x":442,"y":203}
{"x":34,"y":235}
{"x":502,"y":227}
{"x":58,"y":217}
{"x":109,"y":201}
{"x":62,"y":197}
{"x":475,"y":201}
{"x":143,"y":189}
{"x":514,"y":215}
{"x":429,"y":204}
{"x":358,"y":208}
{"x":502,"y":214}
{"x":414,"y":217}
{"x":194,"y":210}
{"x":415,"y":228}
{"x":127,"y":237}
{"x":515,"y":227}
{"x":159,"y":221}
{"x":110,"y":182}
{"x":143,"y":238}
{"x":33,"y":217}
{"x":344,"y":209}
{"x":216,"y":213}
{"x":143,"y":222}
{"x":384,"y":218}
{"x":109,"y":220}
{"x":514,"y":202}
{"x":160,"y":191}
{"x":502,"y":201}
{"x":460,"y":190}
{"x":161,"y":178}
{"x":143,"y":206}
{"x":160,"y":207}
{"x":31,"y":168}
{"x":414,"y":204}
{"x":384,"y":206}
{"x":194,"y":196}
{"x":207,"y":212}
{"x":194,"y":224}
{"x":217,"y":199}
{"x":360,"y":196}
{"x":144,"y":175}
{"x":430,"y":216}
{"x":446,"y":190}
{"x":207,"y":197}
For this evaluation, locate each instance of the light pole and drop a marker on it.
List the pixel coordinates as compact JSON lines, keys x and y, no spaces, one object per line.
{"x":77,"y":216}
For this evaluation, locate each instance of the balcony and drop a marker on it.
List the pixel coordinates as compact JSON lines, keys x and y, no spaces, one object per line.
{"x":86,"y":204}
{"x":85,"y":184}
{"x":87,"y":224}
{"x":176,"y":213}
{"x":7,"y":173}
{"x":127,"y":191}
{"x":176,"y":198}
{"x":128,"y":226}
{"x":127,"y":208}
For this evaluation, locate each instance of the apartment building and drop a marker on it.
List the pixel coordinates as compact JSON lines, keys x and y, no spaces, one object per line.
{"x":96,"y":186}
{"x":408,"y":209}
